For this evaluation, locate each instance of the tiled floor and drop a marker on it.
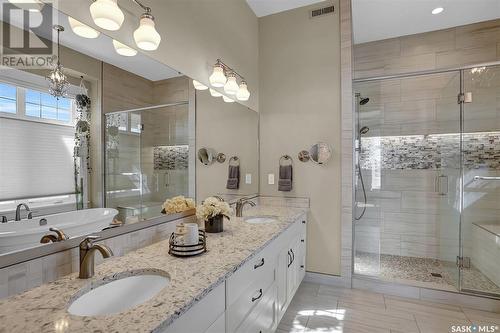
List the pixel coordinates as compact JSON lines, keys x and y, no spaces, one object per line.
{"x":417,"y":272}
{"x":321,"y":308}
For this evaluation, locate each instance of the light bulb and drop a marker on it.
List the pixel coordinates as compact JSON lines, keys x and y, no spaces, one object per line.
{"x":106,"y":14}
{"x":218,"y":79}
{"x":243,"y":94}
{"x":437,"y":10}
{"x":146,"y":37}
{"x":81,"y":29}
{"x":215,"y":93}
{"x":231,"y":86}
{"x":227,"y":99}
{"x":123,"y":49}
{"x":199,"y":86}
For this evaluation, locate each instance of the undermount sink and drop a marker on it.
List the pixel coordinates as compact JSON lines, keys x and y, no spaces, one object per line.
{"x":260,"y":219}
{"x":119,"y":295}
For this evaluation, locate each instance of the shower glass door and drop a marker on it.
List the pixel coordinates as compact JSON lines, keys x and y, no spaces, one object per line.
{"x":480,"y":264}
{"x":409,"y":133}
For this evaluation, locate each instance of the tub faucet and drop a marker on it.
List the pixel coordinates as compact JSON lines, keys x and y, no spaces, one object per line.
{"x":18,"y":211}
{"x":87,"y":252}
{"x":240,"y":204}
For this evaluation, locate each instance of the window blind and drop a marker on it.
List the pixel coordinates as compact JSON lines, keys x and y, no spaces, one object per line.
{"x":36,"y":159}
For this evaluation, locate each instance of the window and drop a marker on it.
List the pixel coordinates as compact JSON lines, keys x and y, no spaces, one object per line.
{"x":8,"y":98}
{"x":45,"y":106}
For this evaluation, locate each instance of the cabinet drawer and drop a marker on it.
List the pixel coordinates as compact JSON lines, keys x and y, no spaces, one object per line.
{"x":253,"y":271}
{"x":250,"y":297}
{"x":263,"y":317}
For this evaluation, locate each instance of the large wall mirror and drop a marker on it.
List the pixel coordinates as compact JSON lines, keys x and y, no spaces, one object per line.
{"x":107,"y":153}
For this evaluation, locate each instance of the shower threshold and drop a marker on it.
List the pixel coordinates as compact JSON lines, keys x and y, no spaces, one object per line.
{"x":422,"y":272}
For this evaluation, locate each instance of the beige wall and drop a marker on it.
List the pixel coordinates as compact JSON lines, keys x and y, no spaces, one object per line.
{"x":464,"y":45}
{"x":194,"y":34}
{"x":232,"y":129}
{"x":299,"y":69}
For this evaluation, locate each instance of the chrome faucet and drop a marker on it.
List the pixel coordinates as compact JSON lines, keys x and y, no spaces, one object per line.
{"x":87,"y":252}
{"x":240,"y":204}
{"x":18,"y":211}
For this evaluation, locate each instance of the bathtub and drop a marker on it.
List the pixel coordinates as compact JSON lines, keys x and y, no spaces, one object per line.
{"x":17,"y":235}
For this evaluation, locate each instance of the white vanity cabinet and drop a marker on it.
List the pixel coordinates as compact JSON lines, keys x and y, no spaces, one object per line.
{"x":257,"y":294}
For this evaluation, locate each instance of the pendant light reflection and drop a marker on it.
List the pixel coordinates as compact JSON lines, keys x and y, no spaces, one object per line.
{"x":215,"y":93}
{"x":81,"y":29}
{"x":231,"y":86}
{"x":146,"y":37}
{"x":218,"y":79}
{"x":199,"y":86}
{"x":58,"y":84}
{"x":123,"y":49}
{"x":106,"y":14}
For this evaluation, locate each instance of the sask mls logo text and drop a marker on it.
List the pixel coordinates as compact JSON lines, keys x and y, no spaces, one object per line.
{"x":475,"y":328}
{"x":27,"y":34}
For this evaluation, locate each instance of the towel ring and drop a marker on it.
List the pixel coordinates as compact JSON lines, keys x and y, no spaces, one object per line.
{"x":285,"y":158}
{"x":234,"y":159}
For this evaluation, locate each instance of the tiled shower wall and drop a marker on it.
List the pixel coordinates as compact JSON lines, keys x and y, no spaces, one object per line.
{"x":414,"y":124}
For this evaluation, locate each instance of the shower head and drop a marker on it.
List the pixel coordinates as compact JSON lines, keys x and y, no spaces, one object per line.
{"x":364,"y":130}
{"x":364,"y":101}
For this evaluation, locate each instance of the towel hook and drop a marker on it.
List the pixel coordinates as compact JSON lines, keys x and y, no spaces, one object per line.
{"x":234,"y":159}
{"x":285,"y":158}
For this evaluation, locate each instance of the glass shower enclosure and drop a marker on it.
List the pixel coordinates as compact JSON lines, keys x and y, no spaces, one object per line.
{"x":146,"y":159}
{"x":427,"y":209}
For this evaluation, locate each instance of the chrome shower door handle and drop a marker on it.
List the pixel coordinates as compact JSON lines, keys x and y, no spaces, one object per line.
{"x":486,"y":178}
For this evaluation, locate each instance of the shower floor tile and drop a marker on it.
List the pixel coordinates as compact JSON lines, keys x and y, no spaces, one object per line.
{"x":422,"y":272}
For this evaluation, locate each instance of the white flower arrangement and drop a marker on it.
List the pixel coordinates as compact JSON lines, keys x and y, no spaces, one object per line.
{"x":177,"y":204}
{"x":212,"y":207}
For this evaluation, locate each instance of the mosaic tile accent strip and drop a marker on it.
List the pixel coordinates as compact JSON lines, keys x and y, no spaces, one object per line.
{"x":434,"y":151}
{"x":171,"y":157}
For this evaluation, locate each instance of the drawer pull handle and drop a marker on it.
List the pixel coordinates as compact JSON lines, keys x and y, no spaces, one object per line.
{"x":301,"y":266}
{"x":293,"y":256}
{"x":289,"y":259}
{"x":303,"y":222}
{"x":260,"y":264}
{"x":302,"y":240}
{"x":256,"y":298}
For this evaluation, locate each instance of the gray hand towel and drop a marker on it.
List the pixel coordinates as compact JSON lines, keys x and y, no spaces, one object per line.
{"x":286,"y":178}
{"x":233,"y":178}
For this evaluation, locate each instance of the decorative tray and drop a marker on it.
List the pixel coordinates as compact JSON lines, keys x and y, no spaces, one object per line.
{"x":179,"y":250}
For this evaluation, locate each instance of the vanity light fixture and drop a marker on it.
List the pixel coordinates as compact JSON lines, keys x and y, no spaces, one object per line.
{"x":106,"y":14}
{"x":227,"y":99}
{"x":199,"y":86}
{"x":243,"y":94}
{"x":81,"y":29}
{"x":437,"y":10}
{"x":218,"y":79}
{"x":225,"y":76}
{"x":231,"y":86}
{"x":215,"y":93}
{"x":123,"y":49}
{"x":146,"y":37}
{"x":58,"y":84}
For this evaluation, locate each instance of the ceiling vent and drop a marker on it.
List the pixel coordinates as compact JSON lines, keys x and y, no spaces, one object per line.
{"x":322,"y":11}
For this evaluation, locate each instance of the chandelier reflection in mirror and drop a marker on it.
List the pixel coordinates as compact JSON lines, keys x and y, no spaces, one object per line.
{"x":58,"y":84}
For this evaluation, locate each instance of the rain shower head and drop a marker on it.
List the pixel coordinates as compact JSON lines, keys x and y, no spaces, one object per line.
{"x":364,"y":130}
{"x":364,"y":101}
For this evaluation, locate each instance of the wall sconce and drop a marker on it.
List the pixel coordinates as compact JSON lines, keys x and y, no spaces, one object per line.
{"x":225,"y":76}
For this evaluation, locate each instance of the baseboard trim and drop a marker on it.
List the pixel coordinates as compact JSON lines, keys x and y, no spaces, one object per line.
{"x":331,"y":280}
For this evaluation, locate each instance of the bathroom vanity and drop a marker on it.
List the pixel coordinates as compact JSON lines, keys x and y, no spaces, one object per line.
{"x":243,"y":283}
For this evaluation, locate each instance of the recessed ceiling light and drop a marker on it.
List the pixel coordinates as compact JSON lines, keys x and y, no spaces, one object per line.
{"x":437,"y":10}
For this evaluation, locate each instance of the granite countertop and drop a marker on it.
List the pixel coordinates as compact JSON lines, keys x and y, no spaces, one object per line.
{"x":44,"y":309}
